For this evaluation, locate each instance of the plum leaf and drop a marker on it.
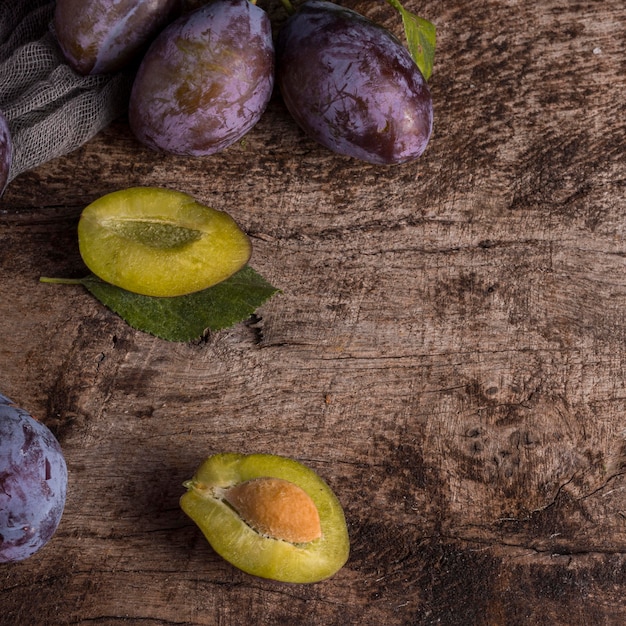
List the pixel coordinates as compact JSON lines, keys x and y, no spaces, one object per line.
{"x":183,"y":318}
{"x":421,"y":38}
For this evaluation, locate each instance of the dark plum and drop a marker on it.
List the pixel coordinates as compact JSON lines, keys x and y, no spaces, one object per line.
{"x":6,"y":152}
{"x":205,"y":81}
{"x":352,"y":86}
{"x":102,"y":36}
{"x":33,"y":483}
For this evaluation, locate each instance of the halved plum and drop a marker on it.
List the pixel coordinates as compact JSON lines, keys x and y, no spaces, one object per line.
{"x":160,"y":242}
{"x":269,"y":515}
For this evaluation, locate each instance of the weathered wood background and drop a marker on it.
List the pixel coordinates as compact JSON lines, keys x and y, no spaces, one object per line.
{"x":448,"y":352}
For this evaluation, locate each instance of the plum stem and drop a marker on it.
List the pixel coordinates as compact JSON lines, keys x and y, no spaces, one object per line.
{"x":288,"y":6}
{"x":61,"y":281}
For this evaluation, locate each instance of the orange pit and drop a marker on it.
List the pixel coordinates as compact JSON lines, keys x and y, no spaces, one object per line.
{"x":276,"y":508}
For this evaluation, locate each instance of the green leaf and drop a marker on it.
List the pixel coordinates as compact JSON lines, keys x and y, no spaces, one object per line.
{"x":421,"y":37}
{"x":184,"y":318}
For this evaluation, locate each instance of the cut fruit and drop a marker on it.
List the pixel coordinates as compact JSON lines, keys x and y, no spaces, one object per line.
{"x":160,"y":242}
{"x":242,"y":504}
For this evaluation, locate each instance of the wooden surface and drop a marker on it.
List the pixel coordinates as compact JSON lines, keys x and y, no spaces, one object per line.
{"x":448,"y":352}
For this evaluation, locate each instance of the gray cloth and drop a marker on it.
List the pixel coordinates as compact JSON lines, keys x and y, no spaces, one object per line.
{"x":50,"y":109}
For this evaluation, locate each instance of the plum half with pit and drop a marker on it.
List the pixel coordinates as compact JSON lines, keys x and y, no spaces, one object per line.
{"x":269,"y":515}
{"x":205,"y":81}
{"x":352,"y":86}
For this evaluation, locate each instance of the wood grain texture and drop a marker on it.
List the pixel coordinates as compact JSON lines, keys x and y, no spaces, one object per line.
{"x":448,"y":352}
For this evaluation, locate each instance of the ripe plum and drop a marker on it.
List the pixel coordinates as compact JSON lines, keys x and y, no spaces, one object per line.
{"x":6,"y":152}
{"x":352,"y":86}
{"x":33,"y":483}
{"x":206,"y":79}
{"x":101,"y":36}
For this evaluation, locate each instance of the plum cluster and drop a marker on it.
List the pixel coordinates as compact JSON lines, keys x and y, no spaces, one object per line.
{"x":205,"y":74}
{"x":33,"y":483}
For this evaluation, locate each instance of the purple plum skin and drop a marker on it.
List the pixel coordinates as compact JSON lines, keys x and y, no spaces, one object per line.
{"x":205,"y":81}
{"x":6,"y":153}
{"x":103,"y":36}
{"x":33,"y":483}
{"x":352,"y":86}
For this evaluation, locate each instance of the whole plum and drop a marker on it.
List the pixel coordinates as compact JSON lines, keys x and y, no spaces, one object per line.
{"x":352,"y":86}
{"x":33,"y":483}
{"x":102,"y":36}
{"x":6,"y":152}
{"x":205,"y":81}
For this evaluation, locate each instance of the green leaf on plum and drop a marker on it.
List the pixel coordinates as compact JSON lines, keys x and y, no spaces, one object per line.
{"x":184,"y":318}
{"x":421,"y":38}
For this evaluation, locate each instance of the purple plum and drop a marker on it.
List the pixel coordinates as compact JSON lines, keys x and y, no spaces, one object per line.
{"x":102,"y":36}
{"x":352,"y":86}
{"x":205,"y":81}
{"x":6,"y":153}
{"x":33,"y":483}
